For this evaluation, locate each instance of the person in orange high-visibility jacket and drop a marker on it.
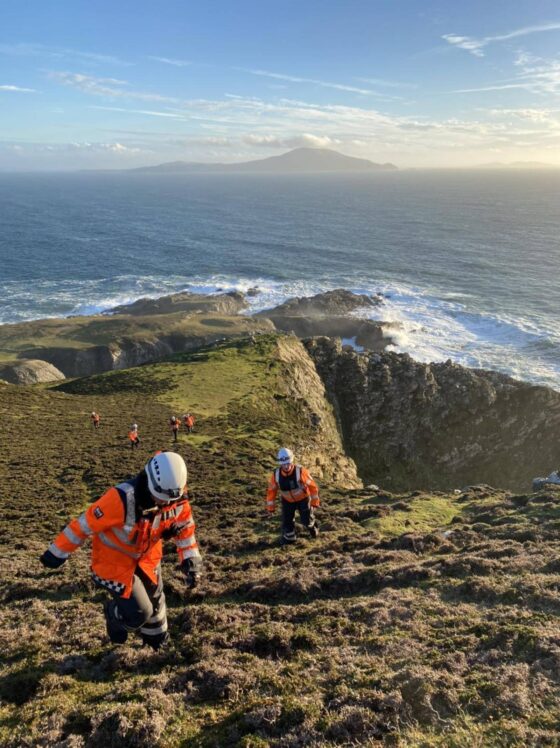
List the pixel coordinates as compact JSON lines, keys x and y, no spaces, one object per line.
{"x":133,"y":436}
{"x":298,"y":491}
{"x":188,"y":422}
{"x":95,"y":419}
{"x":174,"y":424}
{"x":127,"y":526}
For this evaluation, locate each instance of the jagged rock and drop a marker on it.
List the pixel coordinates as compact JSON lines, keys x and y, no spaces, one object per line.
{"x":231,"y":302}
{"x":327,"y":314}
{"x":413,"y":425}
{"x":31,"y":371}
{"x":331,"y":303}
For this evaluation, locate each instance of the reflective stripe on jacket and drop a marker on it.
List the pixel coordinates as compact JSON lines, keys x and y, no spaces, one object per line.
{"x":293,"y":486}
{"x":123,"y":537}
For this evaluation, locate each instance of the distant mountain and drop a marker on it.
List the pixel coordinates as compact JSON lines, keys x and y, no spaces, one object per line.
{"x":297,"y":161}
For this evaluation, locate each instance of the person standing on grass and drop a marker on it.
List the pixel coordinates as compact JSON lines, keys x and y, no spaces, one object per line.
{"x":133,"y":436}
{"x":127,"y":526}
{"x":174,"y":424}
{"x":188,"y":422}
{"x":95,"y":419}
{"x":298,"y":491}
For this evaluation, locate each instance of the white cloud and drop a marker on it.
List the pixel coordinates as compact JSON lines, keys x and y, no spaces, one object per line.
{"x":148,"y":112}
{"x":386,"y":83}
{"x":295,"y":141}
{"x":25,"y":49}
{"x":535,"y":75}
{"x":110,"y":87}
{"x":475,"y":46}
{"x":17,"y":89}
{"x":170,"y":61}
{"x":74,"y":147}
{"x":314,"y":81}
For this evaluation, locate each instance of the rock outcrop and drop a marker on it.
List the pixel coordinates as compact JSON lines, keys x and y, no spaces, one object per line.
{"x":31,"y":371}
{"x":231,"y":302}
{"x":410,"y":425}
{"x":330,"y":314}
{"x":335,"y":303}
{"x":321,"y":449}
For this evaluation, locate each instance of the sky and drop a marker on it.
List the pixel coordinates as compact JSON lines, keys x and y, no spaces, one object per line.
{"x":419,"y":83}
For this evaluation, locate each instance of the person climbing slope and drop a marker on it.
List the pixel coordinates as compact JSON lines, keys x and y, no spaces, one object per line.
{"x":174,"y":424}
{"x":95,"y":419}
{"x":127,"y":525}
{"x":298,"y":491}
{"x":188,"y":422}
{"x":133,"y":436}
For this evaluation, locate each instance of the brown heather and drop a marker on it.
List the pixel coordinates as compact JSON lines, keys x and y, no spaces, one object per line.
{"x":423,"y":619}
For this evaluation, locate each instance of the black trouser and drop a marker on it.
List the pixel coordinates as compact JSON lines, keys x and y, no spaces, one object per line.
{"x":134,"y":443}
{"x":288,"y":517}
{"x":144,"y":611}
{"x":175,"y":434}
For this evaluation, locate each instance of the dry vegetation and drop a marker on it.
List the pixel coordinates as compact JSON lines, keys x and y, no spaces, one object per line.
{"x":417,"y":620}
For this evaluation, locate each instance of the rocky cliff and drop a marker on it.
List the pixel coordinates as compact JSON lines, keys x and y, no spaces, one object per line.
{"x":331,"y":314}
{"x":318,"y":445}
{"x":410,"y":425}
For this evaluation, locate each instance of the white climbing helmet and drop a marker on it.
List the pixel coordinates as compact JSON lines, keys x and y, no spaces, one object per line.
{"x":134,"y":427}
{"x":167,"y":476}
{"x":285,"y":457}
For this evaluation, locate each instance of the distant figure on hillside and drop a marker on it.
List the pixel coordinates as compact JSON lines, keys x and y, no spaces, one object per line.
{"x":95,"y":419}
{"x":127,"y":525}
{"x":188,"y":422}
{"x":174,"y":424}
{"x":133,"y":436}
{"x":298,"y":491}
{"x":540,"y":483}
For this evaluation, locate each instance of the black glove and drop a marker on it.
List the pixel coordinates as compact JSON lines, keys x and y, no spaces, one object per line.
{"x":170,"y":533}
{"x":51,"y":561}
{"x":191,"y":568}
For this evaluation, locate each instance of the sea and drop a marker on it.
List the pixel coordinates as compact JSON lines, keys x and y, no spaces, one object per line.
{"x":468,"y":261}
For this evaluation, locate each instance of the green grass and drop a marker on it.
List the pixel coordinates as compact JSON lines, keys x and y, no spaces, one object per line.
{"x":426,"y":513}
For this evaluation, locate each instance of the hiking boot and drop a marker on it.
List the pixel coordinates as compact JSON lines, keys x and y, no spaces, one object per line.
{"x":159,"y":641}
{"x":313,"y":531}
{"x":287,"y":541}
{"x":115,"y":631}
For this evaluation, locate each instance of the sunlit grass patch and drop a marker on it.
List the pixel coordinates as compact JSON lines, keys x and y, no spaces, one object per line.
{"x":423,"y":514}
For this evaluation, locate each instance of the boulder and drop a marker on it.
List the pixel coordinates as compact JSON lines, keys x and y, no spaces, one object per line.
{"x":30,"y":371}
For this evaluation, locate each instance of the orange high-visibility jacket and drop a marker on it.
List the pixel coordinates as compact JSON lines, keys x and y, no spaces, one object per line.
{"x":293,"y":486}
{"x":125,"y":537}
{"x":133,"y":435}
{"x":189,"y":421}
{"x":95,"y":418}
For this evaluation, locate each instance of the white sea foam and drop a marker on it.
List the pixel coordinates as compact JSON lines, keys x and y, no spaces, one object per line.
{"x":429,"y":326}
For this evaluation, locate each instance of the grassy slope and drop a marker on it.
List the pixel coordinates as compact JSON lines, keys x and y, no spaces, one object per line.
{"x":84,"y":332}
{"x":365,"y":635}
